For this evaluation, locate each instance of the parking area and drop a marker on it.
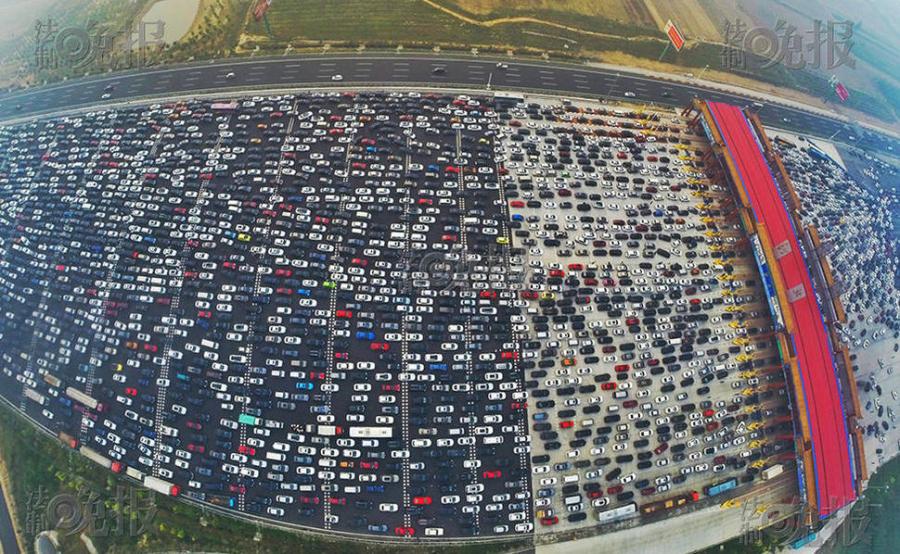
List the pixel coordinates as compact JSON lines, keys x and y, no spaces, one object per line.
{"x":393,"y":314}
{"x":649,"y":365}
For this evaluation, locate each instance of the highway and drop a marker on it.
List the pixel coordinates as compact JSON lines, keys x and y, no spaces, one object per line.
{"x":294,"y":72}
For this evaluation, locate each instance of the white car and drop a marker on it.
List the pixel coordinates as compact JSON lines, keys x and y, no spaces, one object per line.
{"x":229,"y":75}
{"x":629,"y":94}
{"x":337,"y":77}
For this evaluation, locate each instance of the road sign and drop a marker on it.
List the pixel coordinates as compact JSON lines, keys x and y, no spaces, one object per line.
{"x":675,"y":36}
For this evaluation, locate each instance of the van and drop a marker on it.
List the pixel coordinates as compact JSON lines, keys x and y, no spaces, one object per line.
{"x":275,"y":456}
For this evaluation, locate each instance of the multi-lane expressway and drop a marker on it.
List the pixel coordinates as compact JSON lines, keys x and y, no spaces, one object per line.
{"x":473,"y":72}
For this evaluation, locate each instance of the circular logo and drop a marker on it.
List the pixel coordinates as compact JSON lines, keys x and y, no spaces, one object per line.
{"x":73,"y":47}
{"x":66,"y":514}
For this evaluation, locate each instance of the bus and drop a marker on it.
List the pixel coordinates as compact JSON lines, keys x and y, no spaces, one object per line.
{"x":371,"y":432}
{"x":617,"y":514}
{"x":247,"y":419}
{"x":719,"y":488}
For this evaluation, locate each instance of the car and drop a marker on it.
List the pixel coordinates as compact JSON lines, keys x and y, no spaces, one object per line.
{"x":337,"y":77}
{"x":629,"y":94}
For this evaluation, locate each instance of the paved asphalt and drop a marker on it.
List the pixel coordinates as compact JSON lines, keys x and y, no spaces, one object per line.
{"x":8,"y":544}
{"x":397,"y":70}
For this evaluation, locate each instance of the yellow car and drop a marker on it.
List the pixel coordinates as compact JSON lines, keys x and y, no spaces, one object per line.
{"x":244,"y":237}
{"x":502,"y":240}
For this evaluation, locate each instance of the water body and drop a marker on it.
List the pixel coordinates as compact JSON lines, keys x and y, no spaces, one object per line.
{"x":8,"y":544}
{"x":873,"y":526}
{"x":177,"y":16}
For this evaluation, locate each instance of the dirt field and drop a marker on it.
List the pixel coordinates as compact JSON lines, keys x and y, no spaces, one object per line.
{"x":691,"y":16}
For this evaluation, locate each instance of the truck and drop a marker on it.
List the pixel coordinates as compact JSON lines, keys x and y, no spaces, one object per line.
{"x":160,"y":486}
{"x":670,"y":503}
{"x":51,"y":380}
{"x":35,"y":395}
{"x":771,"y":472}
{"x":68,"y":440}
{"x":325,"y":430}
{"x":83,"y":398}
{"x":224,"y":501}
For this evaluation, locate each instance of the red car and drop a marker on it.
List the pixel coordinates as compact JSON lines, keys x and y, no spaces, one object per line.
{"x":404,"y":531}
{"x":383,"y":346}
{"x":492,"y":474}
{"x":131,"y":391}
{"x":421,"y":501}
{"x":309,"y":500}
{"x":615,"y":489}
{"x":248,"y":450}
{"x":346,"y":314}
{"x":337,"y":501}
{"x":608,"y":386}
{"x":197,"y":448}
{"x":566,"y":424}
{"x":517,"y":204}
{"x":552,"y":520}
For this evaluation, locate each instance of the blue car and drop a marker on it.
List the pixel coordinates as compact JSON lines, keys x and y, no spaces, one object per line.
{"x":365,"y":335}
{"x":305,"y":386}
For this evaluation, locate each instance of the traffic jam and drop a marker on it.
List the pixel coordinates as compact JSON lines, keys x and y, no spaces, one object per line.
{"x":389,"y":314}
{"x":652,"y":377}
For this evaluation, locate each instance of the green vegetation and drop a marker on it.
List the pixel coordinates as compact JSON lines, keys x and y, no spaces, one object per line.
{"x":127,"y":518}
{"x":216,"y":30}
